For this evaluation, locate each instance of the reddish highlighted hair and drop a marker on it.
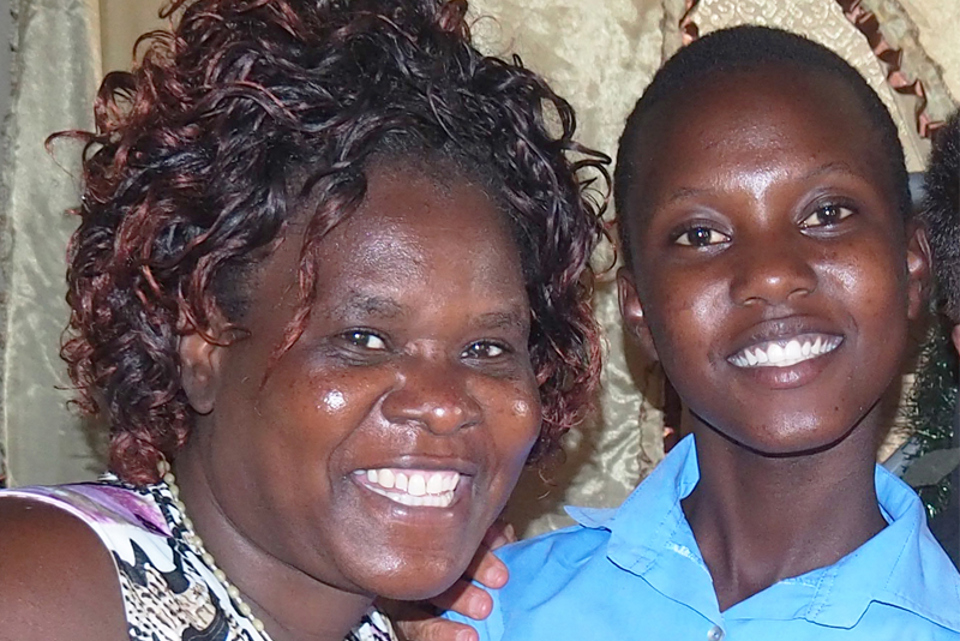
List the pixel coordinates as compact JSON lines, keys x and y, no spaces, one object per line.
{"x":214,"y":141}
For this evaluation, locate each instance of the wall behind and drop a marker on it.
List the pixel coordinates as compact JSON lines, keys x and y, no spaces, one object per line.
{"x":121,"y":23}
{"x":5,"y":35}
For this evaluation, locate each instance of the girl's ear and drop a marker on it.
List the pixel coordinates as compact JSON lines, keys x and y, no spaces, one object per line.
{"x":918,"y":270}
{"x":200,"y":371}
{"x":632,"y":312}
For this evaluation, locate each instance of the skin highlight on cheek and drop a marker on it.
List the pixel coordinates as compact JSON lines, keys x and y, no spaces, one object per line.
{"x":521,"y":408}
{"x":333,"y":401}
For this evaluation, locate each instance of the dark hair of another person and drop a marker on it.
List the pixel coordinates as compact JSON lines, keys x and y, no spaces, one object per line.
{"x":251,"y":111}
{"x":740,"y":49}
{"x":940,"y":211}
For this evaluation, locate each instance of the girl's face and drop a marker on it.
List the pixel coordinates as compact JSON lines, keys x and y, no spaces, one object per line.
{"x":772,"y":275}
{"x":388,"y":438}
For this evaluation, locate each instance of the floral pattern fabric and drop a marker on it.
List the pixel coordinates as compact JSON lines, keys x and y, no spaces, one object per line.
{"x":169,"y":593}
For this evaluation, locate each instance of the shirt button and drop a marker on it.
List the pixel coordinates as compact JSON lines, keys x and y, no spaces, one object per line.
{"x":715,"y":634}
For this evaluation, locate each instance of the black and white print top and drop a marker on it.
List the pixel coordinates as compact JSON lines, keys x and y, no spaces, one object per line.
{"x":169,"y":593}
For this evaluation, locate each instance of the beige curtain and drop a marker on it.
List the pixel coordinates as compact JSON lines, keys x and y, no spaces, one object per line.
{"x":56,"y":72}
{"x":600,"y":54}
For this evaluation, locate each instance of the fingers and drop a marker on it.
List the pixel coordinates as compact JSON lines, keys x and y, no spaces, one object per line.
{"x":499,"y":534}
{"x":485,"y":568}
{"x":418,"y":622}
{"x":435,"y":629}
{"x":466,"y":599}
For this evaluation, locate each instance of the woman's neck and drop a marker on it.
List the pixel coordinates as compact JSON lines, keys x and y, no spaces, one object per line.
{"x":292,"y":605}
{"x":759,"y":519}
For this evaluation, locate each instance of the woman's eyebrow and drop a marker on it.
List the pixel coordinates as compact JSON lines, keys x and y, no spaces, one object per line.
{"x":513,"y":319}
{"x":360,"y":304}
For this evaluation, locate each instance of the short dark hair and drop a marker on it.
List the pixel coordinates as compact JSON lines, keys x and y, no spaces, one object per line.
{"x":239,"y":118}
{"x":744,"y":48}
{"x":940,"y":212}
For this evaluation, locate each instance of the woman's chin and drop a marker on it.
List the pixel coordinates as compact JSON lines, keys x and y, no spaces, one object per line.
{"x":415,"y":583}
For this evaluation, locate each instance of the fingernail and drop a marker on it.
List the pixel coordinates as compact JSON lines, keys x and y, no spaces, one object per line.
{"x":482,"y":607}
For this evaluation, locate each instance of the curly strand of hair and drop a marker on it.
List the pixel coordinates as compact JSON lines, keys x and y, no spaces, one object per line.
{"x":187,"y":184}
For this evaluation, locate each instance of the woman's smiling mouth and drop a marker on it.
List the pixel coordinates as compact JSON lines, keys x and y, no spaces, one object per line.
{"x":417,"y":488}
{"x":786,"y":352}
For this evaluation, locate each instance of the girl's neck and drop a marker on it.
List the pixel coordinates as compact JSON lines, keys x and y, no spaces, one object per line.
{"x":292,"y":605}
{"x":758,"y":519}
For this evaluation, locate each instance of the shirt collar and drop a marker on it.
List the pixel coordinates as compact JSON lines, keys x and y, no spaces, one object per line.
{"x":901,"y":566}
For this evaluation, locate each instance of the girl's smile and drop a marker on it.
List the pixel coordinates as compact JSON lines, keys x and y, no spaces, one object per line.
{"x":786,"y":352}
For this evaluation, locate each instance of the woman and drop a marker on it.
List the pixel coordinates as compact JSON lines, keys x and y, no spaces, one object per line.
{"x":328,"y":291}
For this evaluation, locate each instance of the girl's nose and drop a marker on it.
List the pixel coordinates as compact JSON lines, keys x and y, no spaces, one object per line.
{"x":772,"y":272}
{"x":434,"y":396}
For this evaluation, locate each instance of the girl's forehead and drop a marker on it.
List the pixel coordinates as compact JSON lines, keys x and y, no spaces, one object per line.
{"x":755,"y":117}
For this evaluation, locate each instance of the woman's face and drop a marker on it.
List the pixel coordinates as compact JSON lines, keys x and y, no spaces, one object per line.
{"x":382,"y":445}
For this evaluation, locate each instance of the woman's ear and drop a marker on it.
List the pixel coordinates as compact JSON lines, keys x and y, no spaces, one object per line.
{"x":918,"y":270}
{"x":200,"y":371}
{"x":632,"y":312}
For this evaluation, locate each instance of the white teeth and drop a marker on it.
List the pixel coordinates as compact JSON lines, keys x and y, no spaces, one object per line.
{"x":412,"y":487}
{"x":786,"y":353}
{"x":386,"y":479}
{"x":417,"y":486}
{"x":776,"y":353}
{"x":793,"y":351}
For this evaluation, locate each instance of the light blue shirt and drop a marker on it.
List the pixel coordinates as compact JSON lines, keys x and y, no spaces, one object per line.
{"x":636,"y":573}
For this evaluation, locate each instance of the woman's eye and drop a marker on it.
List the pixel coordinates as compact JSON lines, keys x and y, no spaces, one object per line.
{"x":365,"y":340}
{"x":701,"y":237}
{"x":484,"y":349}
{"x":826,"y":216}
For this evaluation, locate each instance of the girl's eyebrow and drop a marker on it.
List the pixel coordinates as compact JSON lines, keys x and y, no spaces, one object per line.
{"x":686,"y":192}
{"x":834,"y":167}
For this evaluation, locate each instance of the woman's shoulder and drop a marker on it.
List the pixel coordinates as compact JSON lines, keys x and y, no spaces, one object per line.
{"x":59,"y":579}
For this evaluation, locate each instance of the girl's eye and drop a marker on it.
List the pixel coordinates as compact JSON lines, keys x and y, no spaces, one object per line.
{"x":826,"y":216}
{"x":365,"y":340}
{"x":701,"y":237}
{"x":484,"y":349}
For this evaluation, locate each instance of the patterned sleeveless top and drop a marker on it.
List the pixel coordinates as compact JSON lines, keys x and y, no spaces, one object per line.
{"x":169,"y":593}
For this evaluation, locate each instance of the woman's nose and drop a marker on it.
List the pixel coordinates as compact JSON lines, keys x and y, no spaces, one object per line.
{"x":772,"y":272}
{"x":433,"y":395}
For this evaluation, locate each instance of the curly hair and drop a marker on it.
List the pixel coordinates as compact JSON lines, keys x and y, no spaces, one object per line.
{"x":940,"y":212}
{"x":187,"y":184}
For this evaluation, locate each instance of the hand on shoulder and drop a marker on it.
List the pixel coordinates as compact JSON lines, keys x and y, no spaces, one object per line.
{"x":59,"y":581}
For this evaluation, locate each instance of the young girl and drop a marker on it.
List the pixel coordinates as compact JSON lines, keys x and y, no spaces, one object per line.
{"x":772,"y":269}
